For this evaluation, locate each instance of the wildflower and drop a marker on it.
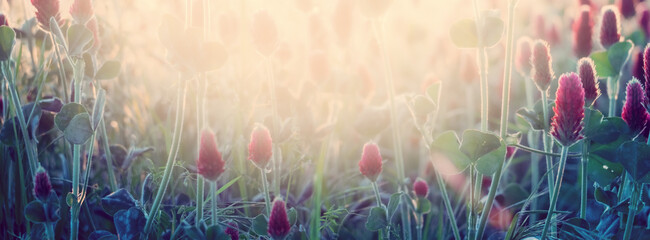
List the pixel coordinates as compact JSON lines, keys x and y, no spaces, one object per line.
{"x":46,"y":9}
{"x":420,"y":188}
{"x":42,"y":186}
{"x":510,"y":151}
{"x":522,"y":56}
{"x":260,"y":149}
{"x":541,"y":61}
{"x":210,"y":164}
{"x":232,"y":231}
{"x":587,"y":73}
{"x":644,"y":20}
{"x":634,"y":114}
{"x":610,"y":27}
{"x":646,"y":71}
{"x":569,"y":110}
{"x":265,"y":34}
{"x":81,"y":11}
{"x":370,"y":165}
{"x":582,"y":32}
{"x":3,"y":20}
{"x":627,"y":7}
{"x":278,"y":221}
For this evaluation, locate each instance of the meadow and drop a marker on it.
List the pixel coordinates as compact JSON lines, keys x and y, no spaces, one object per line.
{"x":308,"y":119}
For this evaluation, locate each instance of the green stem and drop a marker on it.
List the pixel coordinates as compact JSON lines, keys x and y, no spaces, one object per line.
{"x":583,"y":174}
{"x":471,"y":224}
{"x":556,"y":192}
{"x":629,"y":224}
{"x":171,"y":158}
{"x":29,"y":146}
{"x":505,"y":107}
{"x":375,"y":188}
{"x":213,"y":193}
{"x":450,"y":209}
{"x":267,"y":197}
{"x":200,"y":184}
{"x":397,"y":144}
{"x":199,"y":179}
{"x":314,"y":225}
{"x":78,"y":73}
{"x":612,"y":84}
{"x":548,"y":142}
{"x":419,"y":226}
{"x":62,"y":74}
{"x":109,"y":157}
{"x":277,"y":156}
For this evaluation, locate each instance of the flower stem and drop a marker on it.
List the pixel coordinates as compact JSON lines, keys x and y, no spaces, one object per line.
{"x":213,"y":193}
{"x":612,"y":93}
{"x":200,"y":184}
{"x":556,"y":191}
{"x":78,"y":73}
{"x":277,"y":156}
{"x":265,"y":188}
{"x":383,"y":233}
{"x":109,"y":157}
{"x":548,"y":142}
{"x":583,"y":174}
{"x":173,"y":152}
{"x":450,"y":210}
{"x":629,"y":224}
{"x":397,"y":144}
{"x":505,"y":106}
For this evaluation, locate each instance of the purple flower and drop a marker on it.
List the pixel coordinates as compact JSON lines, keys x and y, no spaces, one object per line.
{"x":420,"y":188}
{"x":587,"y":73}
{"x":569,"y":110}
{"x":627,"y":7}
{"x":279,"y":226}
{"x":610,"y":27}
{"x":634,"y":114}
{"x":370,"y":165}
{"x":232,"y":231}
{"x":522,"y":56}
{"x":582,"y":31}
{"x":260,"y":149}
{"x":210,"y":164}
{"x":42,"y":186}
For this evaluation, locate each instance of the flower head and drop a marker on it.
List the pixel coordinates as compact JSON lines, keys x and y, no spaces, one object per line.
{"x":627,"y":7}
{"x":42,"y":186}
{"x":232,"y":231}
{"x":646,"y":75}
{"x":522,"y":56}
{"x":644,"y":20}
{"x":260,"y":149}
{"x":541,"y":61}
{"x":582,"y":32}
{"x":370,"y":165}
{"x":82,"y":11}
{"x":634,"y":114}
{"x":210,"y":164}
{"x":420,"y":188}
{"x":46,"y":9}
{"x":610,"y":27}
{"x":510,"y":151}
{"x":569,"y":110}
{"x":3,"y":20}
{"x":587,"y":73}
{"x":279,"y":226}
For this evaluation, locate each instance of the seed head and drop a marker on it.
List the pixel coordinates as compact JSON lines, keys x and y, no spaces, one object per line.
{"x":569,"y":110}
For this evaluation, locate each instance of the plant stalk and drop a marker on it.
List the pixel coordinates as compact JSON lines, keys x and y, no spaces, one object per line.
{"x":267,"y":197}
{"x":556,"y":191}
{"x":548,"y":142}
{"x":612,"y":84}
{"x":213,"y":193}
{"x":629,"y":224}
{"x":109,"y":157}
{"x":583,"y":173}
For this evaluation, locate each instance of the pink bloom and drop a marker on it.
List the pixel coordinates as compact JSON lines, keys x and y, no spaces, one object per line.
{"x":569,"y":110}
{"x":260,"y":149}
{"x":81,"y":11}
{"x":279,"y":225}
{"x":587,"y":73}
{"x":232,"y":231}
{"x":610,"y":27}
{"x":582,"y":31}
{"x":541,"y":61}
{"x":42,"y":186}
{"x":634,"y":114}
{"x":627,"y":7}
{"x":522,"y":56}
{"x":644,"y":20}
{"x":210,"y":164}
{"x":46,"y":9}
{"x":510,"y":151}
{"x":646,"y":71}
{"x":3,"y":20}
{"x":370,"y":165}
{"x":420,"y":188}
